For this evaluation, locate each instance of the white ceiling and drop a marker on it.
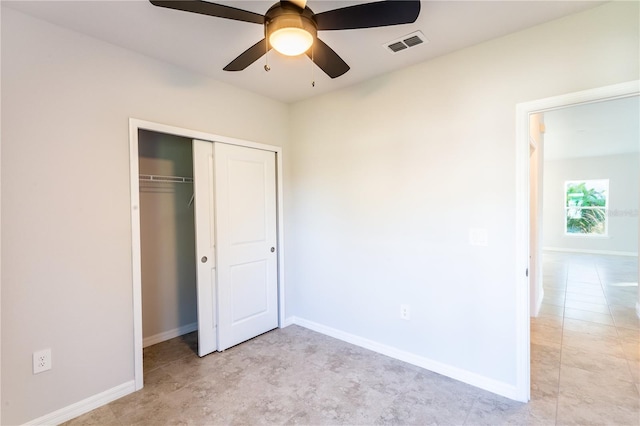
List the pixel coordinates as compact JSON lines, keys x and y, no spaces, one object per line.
{"x":591,"y":130}
{"x":206,"y":44}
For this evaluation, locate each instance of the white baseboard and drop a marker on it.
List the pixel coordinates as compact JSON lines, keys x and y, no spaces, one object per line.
{"x":473,"y":379}
{"x":166,"y":335}
{"x":606,"y":252}
{"x":81,"y":407}
{"x":287,"y":322}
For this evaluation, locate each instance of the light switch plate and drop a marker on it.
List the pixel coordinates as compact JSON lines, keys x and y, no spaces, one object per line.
{"x":478,"y":237}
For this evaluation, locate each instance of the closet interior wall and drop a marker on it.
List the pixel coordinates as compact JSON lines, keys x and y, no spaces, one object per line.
{"x":169,"y":304}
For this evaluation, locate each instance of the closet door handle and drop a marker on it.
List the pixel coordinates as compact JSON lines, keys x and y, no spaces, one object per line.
{"x":273,"y":249}
{"x":204,"y":259}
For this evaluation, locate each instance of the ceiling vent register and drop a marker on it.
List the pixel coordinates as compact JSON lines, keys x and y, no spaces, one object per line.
{"x":405,"y":42}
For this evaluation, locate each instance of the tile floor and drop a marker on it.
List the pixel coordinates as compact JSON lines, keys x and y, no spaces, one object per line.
{"x":585,"y":342}
{"x":584,"y":367}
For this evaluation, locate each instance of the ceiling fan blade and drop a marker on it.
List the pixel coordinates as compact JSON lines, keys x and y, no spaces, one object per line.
{"x":328,"y":60}
{"x":248,"y":57}
{"x":369,"y":15}
{"x":211,"y":9}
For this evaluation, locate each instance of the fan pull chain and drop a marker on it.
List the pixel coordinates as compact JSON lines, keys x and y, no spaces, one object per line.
{"x":267,"y":68}
{"x":313,"y":80}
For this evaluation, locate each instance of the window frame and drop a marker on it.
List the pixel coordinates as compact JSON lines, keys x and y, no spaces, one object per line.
{"x":604,"y":208}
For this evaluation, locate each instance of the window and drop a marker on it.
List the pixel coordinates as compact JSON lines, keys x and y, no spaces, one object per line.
{"x":586,"y":207}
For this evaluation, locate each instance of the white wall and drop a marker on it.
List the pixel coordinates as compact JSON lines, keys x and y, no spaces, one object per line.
{"x":66,"y":232}
{"x":623,"y":172}
{"x":389,"y":175}
{"x":167,"y":238}
{"x":536,"y":172}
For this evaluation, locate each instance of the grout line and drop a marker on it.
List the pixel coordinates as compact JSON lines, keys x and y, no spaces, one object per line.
{"x":605,"y":296}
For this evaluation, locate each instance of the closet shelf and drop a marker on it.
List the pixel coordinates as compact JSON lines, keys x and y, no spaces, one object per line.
{"x":165,"y":179}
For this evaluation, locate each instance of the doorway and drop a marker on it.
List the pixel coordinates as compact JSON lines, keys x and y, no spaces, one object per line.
{"x":276,"y":249}
{"x":584,"y":321}
{"x":167,"y":236}
{"x":523,"y":248}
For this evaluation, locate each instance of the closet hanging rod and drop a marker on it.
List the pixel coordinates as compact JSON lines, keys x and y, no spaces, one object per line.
{"x":166,"y":179}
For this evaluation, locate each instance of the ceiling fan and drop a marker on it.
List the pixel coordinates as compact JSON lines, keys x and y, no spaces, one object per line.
{"x":291,"y":27}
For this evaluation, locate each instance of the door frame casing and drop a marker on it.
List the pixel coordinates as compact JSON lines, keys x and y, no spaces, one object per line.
{"x":523,"y":110}
{"x":136,"y":267}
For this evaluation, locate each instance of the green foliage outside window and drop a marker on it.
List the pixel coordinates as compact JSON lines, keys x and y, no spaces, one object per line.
{"x":586,"y":204}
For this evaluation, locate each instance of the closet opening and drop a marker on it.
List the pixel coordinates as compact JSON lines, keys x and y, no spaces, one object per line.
{"x":207,"y":255}
{"x":167,"y":243}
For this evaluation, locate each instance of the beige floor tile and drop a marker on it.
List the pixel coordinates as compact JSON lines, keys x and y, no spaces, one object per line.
{"x":547,"y":309}
{"x":554,"y":297}
{"x":586,"y":289}
{"x":545,"y":379}
{"x":598,"y":386}
{"x":595,"y":398}
{"x":596,"y":362}
{"x":549,"y":322}
{"x":634,"y":369}
{"x":555,"y":287}
{"x":546,"y":336}
{"x":588,"y":316}
{"x":545,"y":355}
{"x":579,"y":297}
{"x":619,"y":279}
{"x":591,"y":343}
{"x":626,"y":319}
{"x":628,"y":335}
{"x":582,"y":276}
{"x":623,"y":309}
{"x":590,"y":307}
{"x":618,"y":291}
{"x":627,"y":302}
{"x":576,"y":409}
{"x":587,"y":327}
{"x":631,"y":351}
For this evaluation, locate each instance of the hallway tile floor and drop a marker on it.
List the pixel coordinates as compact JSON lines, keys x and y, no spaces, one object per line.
{"x":584,"y":370}
{"x":585,"y":341}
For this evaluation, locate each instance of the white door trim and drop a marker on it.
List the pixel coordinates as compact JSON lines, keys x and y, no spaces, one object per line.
{"x":206,"y":272}
{"x":134,"y":126}
{"x":523,"y":110}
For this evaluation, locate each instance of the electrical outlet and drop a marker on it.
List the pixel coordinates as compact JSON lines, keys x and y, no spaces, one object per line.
{"x":41,"y":361}
{"x":405,"y":312}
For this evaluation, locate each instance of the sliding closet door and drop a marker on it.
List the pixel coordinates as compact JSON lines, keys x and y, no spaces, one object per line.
{"x":245,"y":213}
{"x":205,"y":246}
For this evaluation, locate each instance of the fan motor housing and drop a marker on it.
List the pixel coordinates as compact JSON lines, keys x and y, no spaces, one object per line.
{"x":283,"y":15}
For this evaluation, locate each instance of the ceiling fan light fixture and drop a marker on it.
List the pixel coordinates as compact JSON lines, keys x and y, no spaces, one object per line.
{"x":291,"y":35}
{"x":291,"y":27}
{"x":291,"y":41}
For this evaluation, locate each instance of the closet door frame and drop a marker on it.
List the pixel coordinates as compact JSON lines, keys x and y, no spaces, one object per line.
{"x":134,"y":126}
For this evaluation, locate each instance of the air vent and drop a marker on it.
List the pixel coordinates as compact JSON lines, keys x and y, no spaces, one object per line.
{"x":403,"y":43}
{"x":413,"y":41}
{"x":397,"y":46}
